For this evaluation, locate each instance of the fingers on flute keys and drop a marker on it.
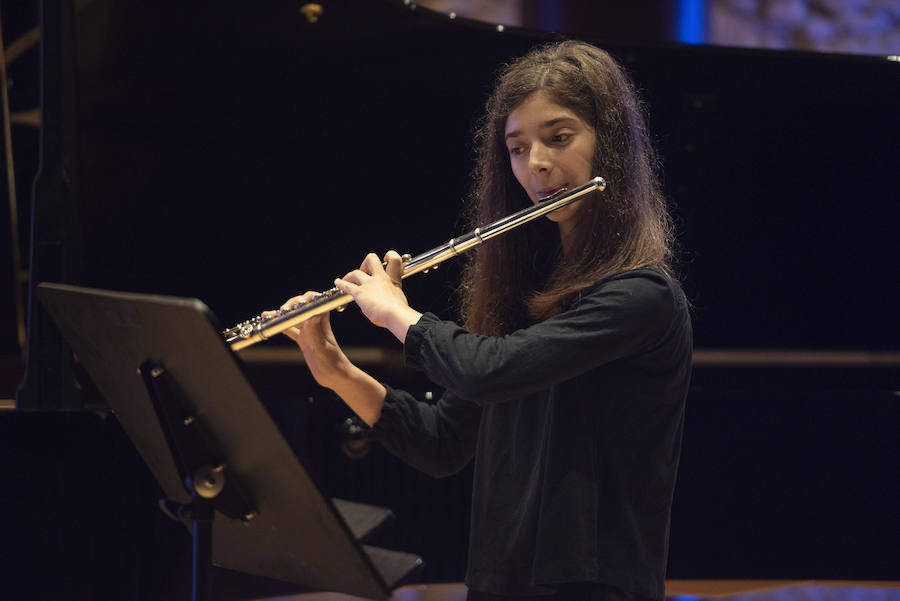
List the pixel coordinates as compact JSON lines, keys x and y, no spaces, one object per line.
{"x":292,"y":303}
{"x":295,"y":302}
{"x":372,"y":266}
{"x":394,"y":266}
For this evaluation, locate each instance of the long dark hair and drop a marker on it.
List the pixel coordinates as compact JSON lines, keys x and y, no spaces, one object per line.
{"x":523,"y":276}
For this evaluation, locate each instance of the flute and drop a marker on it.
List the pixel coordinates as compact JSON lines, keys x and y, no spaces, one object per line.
{"x":258,"y":329}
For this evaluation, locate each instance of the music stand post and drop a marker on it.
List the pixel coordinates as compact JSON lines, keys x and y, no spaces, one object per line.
{"x":202,"y":468}
{"x":180,"y":394}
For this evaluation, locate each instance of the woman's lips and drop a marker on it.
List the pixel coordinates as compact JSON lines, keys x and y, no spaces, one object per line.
{"x":548,"y":192}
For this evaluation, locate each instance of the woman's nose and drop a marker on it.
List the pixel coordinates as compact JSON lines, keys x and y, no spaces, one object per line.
{"x":539,"y":158}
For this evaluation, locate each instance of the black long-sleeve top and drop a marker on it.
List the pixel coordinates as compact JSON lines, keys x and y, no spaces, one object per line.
{"x":575,"y":424}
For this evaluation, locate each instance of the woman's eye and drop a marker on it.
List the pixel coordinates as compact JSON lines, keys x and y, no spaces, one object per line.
{"x":515,"y":150}
{"x":562,"y":137}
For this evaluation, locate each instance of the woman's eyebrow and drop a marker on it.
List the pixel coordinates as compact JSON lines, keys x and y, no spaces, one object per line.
{"x":516,"y":133}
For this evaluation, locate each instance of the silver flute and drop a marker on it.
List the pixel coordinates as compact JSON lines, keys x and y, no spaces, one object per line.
{"x":258,"y":329}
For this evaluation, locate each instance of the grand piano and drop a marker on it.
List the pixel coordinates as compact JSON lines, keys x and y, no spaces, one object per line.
{"x":237,"y":153}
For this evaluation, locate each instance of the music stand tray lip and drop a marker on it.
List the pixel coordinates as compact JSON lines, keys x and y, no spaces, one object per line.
{"x":196,"y":303}
{"x":298,"y":535}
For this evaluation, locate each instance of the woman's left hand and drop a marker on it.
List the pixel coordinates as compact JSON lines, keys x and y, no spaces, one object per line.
{"x":378,"y":292}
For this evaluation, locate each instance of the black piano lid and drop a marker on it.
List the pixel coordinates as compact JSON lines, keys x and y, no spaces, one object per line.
{"x":218,"y":141}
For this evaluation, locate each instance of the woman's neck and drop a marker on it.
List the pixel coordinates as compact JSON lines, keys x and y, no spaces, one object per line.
{"x":566,"y":235}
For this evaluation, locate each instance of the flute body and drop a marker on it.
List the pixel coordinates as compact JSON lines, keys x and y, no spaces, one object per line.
{"x":258,"y":329}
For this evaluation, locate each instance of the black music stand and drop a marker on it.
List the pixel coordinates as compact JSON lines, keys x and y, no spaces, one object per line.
{"x":180,"y":394}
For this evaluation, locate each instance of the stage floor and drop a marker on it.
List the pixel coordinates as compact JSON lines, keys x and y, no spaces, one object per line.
{"x":677,"y":590}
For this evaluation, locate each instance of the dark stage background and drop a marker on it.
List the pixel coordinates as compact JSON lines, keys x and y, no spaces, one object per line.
{"x":232,"y":152}
{"x":237,"y":154}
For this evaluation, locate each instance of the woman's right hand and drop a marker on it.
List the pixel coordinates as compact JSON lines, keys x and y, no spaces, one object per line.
{"x":324,"y":357}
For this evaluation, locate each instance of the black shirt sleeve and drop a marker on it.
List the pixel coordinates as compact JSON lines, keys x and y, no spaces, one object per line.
{"x":438,"y":439}
{"x":620,"y":317}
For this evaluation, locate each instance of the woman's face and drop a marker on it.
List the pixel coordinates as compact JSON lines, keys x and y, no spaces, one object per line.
{"x":550,"y":148}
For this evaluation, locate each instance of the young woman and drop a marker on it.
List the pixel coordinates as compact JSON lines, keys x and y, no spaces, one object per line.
{"x":567,"y":379}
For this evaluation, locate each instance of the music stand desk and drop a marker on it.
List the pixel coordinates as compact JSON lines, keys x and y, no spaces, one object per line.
{"x":297,"y":536}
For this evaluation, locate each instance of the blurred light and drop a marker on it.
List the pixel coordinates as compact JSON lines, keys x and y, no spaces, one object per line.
{"x":691,"y":21}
